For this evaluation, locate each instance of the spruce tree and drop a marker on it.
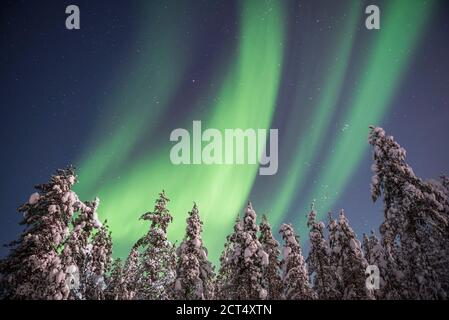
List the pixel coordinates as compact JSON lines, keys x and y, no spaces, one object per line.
{"x":336,"y":268}
{"x":98,"y":264}
{"x":415,"y":230}
{"x":295,"y":275}
{"x":375,"y":255}
{"x":132,"y":276}
{"x":157,"y":265}
{"x":349,"y":261}
{"x":194,"y":272}
{"x":271,"y":271}
{"x":38,"y":266}
{"x":241,"y":273}
{"x":77,"y":250}
{"x":318,"y":261}
{"x":115,"y":281}
{"x":225,"y":289}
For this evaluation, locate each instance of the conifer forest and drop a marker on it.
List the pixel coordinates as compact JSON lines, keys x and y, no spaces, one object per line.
{"x":65,"y":250}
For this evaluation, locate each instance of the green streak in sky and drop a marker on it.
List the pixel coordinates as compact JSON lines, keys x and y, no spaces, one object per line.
{"x":322,"y":113}
{"x":246,"y":99}
{"x":402,"y":23}
{"x":144,"y":88}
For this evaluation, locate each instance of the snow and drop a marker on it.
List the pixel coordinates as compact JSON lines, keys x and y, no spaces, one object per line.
{"x":57,"y":238}
{"x":34,"y":198}
{"x":291,"y":239}
{"x":248,"y":253}
{"x":286,"y":253}
{"x":265,"y":257}
{"x":420,"y":279}
{"x":72,"y":180}
{"x":60,"y":277}
{"x":97,"y":222}
{"x":263,"y":294}
{"x":353,"y":244}
{"x":69,"y":197}
{"x":72,"y":269}
{"x":196,"y":242}
{"x":203,"y":254}
{"x":57,"y":188}
{"x":178,"y":286}
{"x":89,"y":247}
{"x":199,"y":290}
{"x":52,"y":209}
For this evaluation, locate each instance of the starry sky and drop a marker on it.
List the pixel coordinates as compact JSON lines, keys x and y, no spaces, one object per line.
{"x":106,"y":97}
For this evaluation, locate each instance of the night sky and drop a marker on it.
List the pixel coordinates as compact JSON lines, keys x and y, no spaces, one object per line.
{"x":106,"y":97}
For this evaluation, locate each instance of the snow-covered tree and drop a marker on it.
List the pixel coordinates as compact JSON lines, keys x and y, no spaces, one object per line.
{"x":415,"y":230}
{"x":271,"y":272}
{"x":157,"y":264}
{"x":295,"y":276}
{"x":77,"y":249}
{"x":353,"y":262}
{"x":98,"y":264}
{"x":194,"y":271}
{"x":437,"y":237}
{"x":347,"y":260}
{"x":115,"y":281}
{"x":224,"y":286}
{"x":318,"y":261}
{"x":445,"y":184}
{"x":375,"y":255}
{"x":243,"y":262}
{"x":334,"y":257}
{"x":131,"y":275}
{"x":37,"y":267}
{"x":64,"y":251}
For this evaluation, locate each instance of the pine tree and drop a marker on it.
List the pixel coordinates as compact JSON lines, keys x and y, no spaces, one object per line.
{"x":115,"y":281}
{"x":334,"y":257}
{"x":157,"y":267}
{"x":271,"y":276}
{"x":375,"y":255}
{"x":77,"y":250}
{"x":349,"y":260}
{"x":318,"y":261}
{"x":243,"y":262}
{"x":98,"y":264}
{"x":194,"y":272}
{"x":445,"y":190}
{"x":224,"y":287}
{"x":252,"y":259}
{"x":131,"y":275}
{"x":416,"y":221}
{"x":295,"y":275}
{"x":36,"y":269}
{"x":436,"y":244}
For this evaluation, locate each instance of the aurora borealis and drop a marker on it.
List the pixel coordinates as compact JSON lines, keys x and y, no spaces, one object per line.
{"x":246,"y":99}
{"x":116,"y":89}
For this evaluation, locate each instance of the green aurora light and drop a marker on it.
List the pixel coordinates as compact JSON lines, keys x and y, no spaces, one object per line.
{"x":245,"y":98}
{"x":385,"y":66}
